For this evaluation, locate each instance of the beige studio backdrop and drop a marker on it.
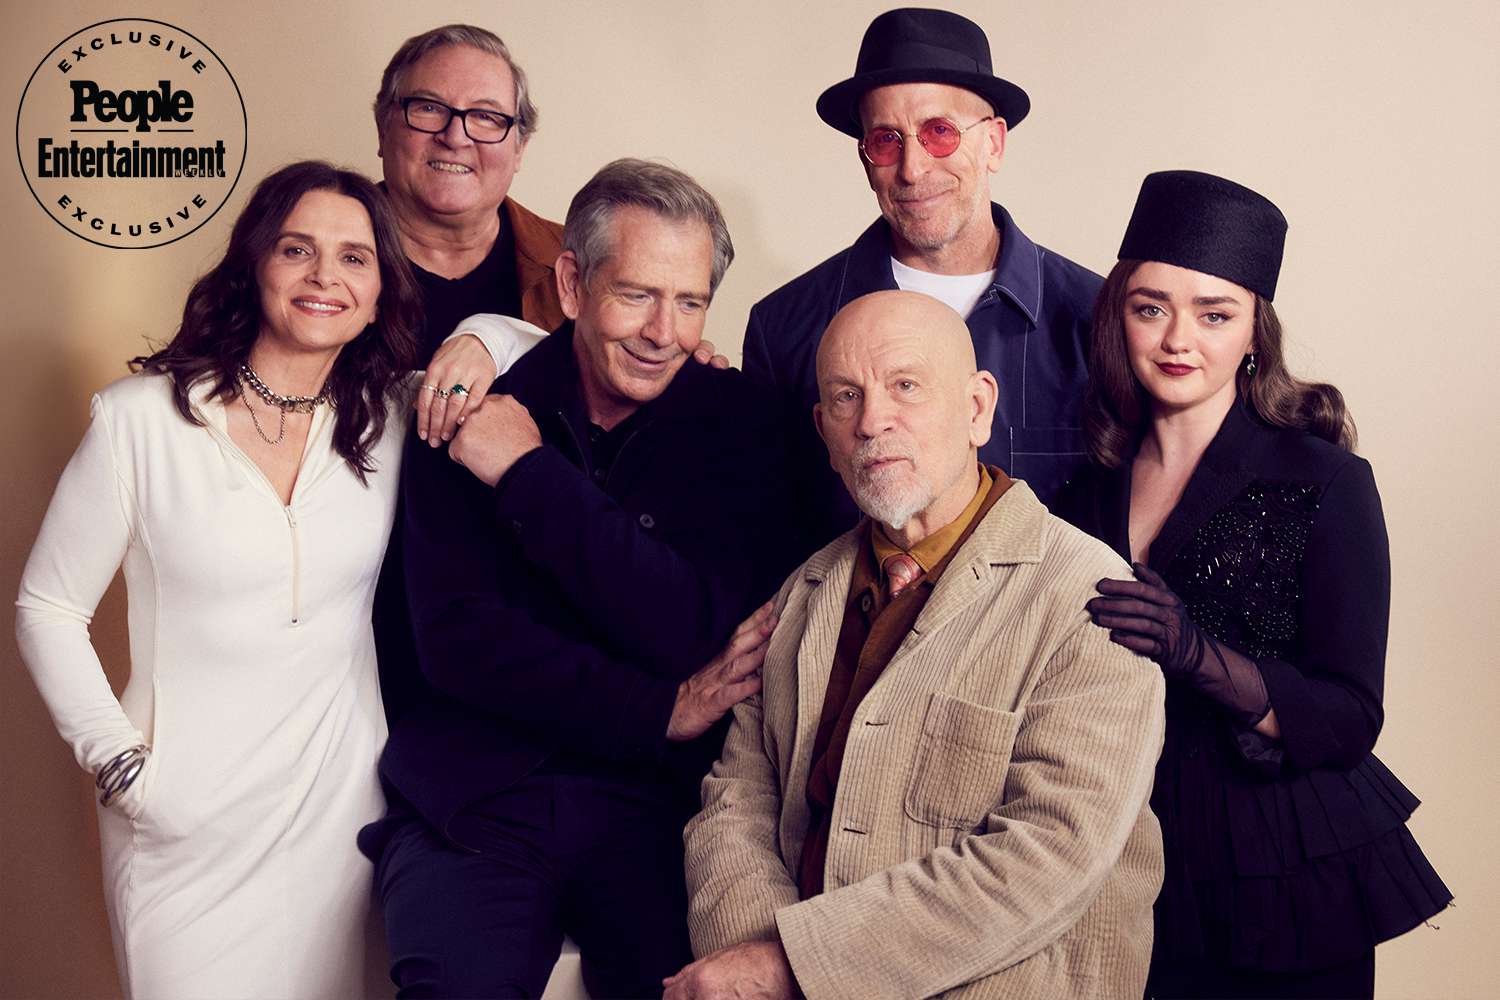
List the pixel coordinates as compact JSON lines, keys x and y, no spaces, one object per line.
{"x":1372,"y":124}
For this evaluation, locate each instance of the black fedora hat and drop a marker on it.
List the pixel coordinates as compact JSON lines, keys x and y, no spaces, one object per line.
{"x":917,"y":45}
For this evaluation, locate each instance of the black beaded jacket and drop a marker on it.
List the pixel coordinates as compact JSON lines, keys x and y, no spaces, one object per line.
{"x":1277,"y":852}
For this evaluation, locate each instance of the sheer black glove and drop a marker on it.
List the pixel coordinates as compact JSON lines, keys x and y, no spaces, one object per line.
{"x":1145,"y":616}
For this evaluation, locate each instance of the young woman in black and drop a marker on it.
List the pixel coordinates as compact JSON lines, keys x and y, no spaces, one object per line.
{"x":1262,"y":589}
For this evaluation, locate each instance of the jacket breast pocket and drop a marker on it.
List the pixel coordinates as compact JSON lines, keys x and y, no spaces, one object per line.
{"x":1045,"y":457}
{"x":962,"y":756}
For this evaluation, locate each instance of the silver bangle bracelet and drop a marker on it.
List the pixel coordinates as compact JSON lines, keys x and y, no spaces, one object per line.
{"x":120,"y":772}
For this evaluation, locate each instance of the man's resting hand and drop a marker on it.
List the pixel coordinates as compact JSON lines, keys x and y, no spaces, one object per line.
{"x":728,"y":678}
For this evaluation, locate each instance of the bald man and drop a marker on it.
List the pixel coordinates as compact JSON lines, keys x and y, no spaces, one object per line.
{"x":943,"y":783}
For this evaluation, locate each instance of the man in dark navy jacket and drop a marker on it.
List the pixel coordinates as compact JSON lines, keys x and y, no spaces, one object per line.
{"x":931,"y":120}
{"x":600,"y":529}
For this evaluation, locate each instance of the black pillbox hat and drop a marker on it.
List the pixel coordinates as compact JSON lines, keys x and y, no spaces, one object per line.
{"x":1209,"y":224}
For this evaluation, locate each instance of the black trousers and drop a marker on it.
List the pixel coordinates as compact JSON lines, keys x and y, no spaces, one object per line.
{"x":1353,"y":980}
{"x":596,"y":857}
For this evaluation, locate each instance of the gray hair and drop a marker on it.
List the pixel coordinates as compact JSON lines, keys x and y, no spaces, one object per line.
{"x":414,"y":48}
{"x":664,"y":190}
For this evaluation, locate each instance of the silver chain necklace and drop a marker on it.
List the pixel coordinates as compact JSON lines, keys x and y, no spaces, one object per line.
{"x":280,"y":430}
{"x":284,"y":404}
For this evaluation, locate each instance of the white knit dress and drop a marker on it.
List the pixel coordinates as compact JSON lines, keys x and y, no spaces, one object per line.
{"x":230,"y":867}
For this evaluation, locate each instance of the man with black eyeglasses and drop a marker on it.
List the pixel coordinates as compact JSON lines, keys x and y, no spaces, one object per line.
{"x":931,"y":121}
{"x":454,"y":116}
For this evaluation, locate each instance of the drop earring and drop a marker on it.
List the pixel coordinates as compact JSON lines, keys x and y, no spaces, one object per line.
{"x":1250,"y":363}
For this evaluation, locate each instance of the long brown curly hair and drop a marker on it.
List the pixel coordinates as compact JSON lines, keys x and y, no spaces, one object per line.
{"x":222,"y":317}
{"x":1116,"y":407}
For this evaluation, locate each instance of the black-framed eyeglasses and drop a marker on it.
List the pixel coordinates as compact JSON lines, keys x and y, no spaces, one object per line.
{"x":480,"y":124}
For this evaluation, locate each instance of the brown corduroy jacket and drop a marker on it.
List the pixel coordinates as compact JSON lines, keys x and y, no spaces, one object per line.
{"x":538,"y":242}
{"x":991,"y":835}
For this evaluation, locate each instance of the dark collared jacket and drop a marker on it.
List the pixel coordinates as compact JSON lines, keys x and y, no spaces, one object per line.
{"x":1030,"y":331}
{"x":558,"y":611}
{"x":537,"y":242}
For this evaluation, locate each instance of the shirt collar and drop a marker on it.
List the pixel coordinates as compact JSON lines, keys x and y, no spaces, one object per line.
{"x":931,"y":550}
{"x":1232,"y":446}
{"x":549,"y":374}
{"x":1018,"y":273}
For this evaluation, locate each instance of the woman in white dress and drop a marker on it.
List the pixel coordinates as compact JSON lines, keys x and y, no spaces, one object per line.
{"x":245,"y":478}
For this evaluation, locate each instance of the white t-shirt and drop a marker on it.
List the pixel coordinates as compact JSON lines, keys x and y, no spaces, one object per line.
{"x":960,"y":292}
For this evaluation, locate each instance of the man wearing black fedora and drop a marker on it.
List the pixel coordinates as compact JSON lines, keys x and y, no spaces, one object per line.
{"x":931,"y":120}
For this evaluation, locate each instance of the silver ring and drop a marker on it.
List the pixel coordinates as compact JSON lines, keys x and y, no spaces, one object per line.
{"x":442,"y":393}
{"x":430,"y":388}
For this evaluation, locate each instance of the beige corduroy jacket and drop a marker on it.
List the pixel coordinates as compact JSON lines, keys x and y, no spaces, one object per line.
{"x":991,"y":835}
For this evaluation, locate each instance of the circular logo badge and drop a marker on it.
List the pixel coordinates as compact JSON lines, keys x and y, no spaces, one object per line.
{"x":131,"y":133}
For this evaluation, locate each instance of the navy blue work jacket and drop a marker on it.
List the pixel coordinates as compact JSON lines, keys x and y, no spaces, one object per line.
{"x":1030,"y":331}
{"x":557,"y":612}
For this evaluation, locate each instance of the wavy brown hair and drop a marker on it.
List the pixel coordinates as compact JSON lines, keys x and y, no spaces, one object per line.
{"x":222,"y":318}
{"x":1117,"y":408}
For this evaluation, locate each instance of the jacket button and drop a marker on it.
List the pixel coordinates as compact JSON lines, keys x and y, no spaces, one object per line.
{"x":647,"y":521}
{"x":598,"y":475}
{"x":515,"y":526}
